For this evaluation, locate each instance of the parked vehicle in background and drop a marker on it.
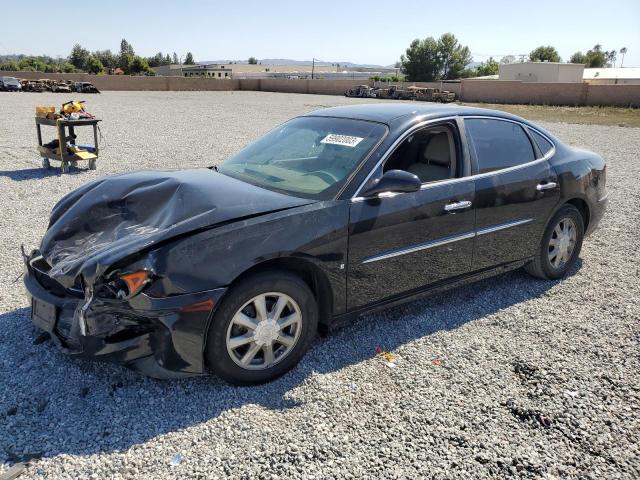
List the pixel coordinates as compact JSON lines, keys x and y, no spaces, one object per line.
{"x":232,"y":269}
{"x":433,"y":95}
{"x":32,"y":86}
{"x":10,"y":84}
{"x":85,"y":87}
{"x":361,"y":91}
{"x":61,"y":86}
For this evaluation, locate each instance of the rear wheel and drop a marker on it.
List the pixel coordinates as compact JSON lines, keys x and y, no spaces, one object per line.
{"x":560,"y":245}
{"x":262,"y":328}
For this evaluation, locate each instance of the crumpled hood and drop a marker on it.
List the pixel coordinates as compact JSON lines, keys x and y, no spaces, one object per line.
{"x":111,"y":218}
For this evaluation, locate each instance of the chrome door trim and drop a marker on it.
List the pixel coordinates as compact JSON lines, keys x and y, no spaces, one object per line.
{"x":417,"y":248}
{"x":445,"y":240}
{"x":502,"y":226}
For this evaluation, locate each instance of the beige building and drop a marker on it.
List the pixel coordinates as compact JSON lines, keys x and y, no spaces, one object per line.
{"x":550,"y":72}
{"x":206,"y":71}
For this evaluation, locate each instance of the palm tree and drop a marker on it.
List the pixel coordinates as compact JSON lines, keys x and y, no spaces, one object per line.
{"x":611,"y":58}
{"x":623,"y":50}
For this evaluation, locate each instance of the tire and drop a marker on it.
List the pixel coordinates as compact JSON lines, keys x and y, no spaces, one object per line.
{"x":542,"y":266}
{"x":224,"y":361}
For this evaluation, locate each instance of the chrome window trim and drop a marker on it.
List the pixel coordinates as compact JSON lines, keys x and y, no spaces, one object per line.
{"x":445,"y":240}
{"x":426,"y":185}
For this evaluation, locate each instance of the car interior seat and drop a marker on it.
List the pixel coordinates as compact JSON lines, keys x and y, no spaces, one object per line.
{"x":434,"y":159}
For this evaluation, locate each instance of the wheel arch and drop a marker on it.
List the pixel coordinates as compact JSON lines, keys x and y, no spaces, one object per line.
{"x":583,"y":208}
{"x":315,"y":278}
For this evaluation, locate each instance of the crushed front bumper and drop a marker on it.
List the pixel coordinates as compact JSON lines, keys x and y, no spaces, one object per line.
{"x":160,"y":337}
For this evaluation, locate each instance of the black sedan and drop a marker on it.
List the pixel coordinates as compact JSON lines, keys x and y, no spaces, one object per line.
{"x":233,"y":269}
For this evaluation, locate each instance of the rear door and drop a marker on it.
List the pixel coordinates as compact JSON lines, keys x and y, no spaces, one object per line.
{"x":516,"y":190}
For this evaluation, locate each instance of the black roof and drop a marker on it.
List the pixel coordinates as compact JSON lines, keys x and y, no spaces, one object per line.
{"x":390,"y":112}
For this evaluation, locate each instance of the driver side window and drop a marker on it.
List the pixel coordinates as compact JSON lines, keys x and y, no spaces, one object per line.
{"x":430,"y":154}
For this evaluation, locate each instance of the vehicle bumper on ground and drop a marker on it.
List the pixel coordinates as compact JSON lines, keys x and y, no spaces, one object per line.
{"x":160,"y":337}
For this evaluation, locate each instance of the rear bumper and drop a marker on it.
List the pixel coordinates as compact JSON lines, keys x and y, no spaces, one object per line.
{"x":160,"y":337}
{"x":596,"y":214}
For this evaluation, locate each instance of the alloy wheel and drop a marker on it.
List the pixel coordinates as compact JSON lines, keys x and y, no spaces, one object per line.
{"x":264,"y":331}
{"x":562,"y":242}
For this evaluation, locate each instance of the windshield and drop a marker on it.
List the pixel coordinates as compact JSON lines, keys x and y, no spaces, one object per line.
{"x":310,"y":157}
{"x":10,"y":81}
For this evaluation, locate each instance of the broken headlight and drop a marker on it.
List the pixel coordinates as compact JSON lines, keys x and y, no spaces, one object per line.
{"x":124,"y":286}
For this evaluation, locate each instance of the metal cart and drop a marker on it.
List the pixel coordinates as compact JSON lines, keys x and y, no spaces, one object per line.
{"x":67,"y":158}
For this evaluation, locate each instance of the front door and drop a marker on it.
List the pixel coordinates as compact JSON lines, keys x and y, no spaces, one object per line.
{"x":400,"y":243}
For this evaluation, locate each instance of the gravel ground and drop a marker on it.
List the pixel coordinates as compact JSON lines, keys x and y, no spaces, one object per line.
{"x":510,"y":377}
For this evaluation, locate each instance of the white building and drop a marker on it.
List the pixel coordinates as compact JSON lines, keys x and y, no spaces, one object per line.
{"x":542,"y":72}
{"x":618,"y":76}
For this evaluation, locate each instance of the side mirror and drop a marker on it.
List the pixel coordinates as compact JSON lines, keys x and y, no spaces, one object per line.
{"x":394,"y":181}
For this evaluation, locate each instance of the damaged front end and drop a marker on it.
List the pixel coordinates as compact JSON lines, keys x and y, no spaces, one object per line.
{"x":99,"y":286}
{"x":119,"y":319}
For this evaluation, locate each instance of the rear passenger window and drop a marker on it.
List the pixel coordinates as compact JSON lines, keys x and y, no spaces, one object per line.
{"x":544,"y":145}
{"x":498,"y":144}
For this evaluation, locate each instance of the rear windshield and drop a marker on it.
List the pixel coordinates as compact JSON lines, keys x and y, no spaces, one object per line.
{"x":310,"y":157}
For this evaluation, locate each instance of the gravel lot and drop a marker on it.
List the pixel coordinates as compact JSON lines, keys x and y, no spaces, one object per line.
{"x":510,"y":377}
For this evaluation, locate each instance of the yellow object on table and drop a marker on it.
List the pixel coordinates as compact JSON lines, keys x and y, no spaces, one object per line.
{"x":44,"y":110}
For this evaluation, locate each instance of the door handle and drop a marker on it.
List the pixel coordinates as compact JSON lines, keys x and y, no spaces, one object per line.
{"x":451,"y":207}
{"x":546,"y":186}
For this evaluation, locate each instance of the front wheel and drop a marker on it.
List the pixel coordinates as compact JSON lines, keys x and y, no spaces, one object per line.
{"x":262,"y":328}
{"x":560,"y":245}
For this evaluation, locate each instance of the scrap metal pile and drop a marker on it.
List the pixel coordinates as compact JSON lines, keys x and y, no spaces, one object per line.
{"x":48,"y":85}
{"x":397,"y":92}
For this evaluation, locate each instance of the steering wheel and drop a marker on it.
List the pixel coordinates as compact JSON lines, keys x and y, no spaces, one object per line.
{"x":326,"y":176}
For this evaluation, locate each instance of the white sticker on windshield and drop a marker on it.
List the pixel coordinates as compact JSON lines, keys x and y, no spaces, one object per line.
{"x":344,"y":140}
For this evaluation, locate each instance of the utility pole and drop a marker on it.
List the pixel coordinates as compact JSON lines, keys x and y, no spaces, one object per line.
{"x":313,"y":66}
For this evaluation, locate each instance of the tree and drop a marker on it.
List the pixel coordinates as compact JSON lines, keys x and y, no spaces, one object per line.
{"x":545,"y":54}
{"x":94,"y":65}
{"x":490,"y":67}
{"x":610,"y":56}
{"x":138,"y":65}
{"x":126,"y":48}
{"x":453,"y":57}
{"x":107,"y":58}
{"x":188,"y":60}
{"x":79,"y":56}
{"x":175,"y":58}
{"x":9,"y":66}
{"x":252,"y":61}
{"x":421,"y":61}
{"x":430,"y":59}
{"x":508,"y":59}
{"x":623,"y":51}
{"x":595,"y":57}
{"x":578,"y":57}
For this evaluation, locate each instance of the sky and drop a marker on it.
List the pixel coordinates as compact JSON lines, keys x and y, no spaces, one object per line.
{"x":371,"y":32}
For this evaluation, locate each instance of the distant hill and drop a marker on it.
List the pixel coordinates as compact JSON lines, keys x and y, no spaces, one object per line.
{"x":286,"y":61}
